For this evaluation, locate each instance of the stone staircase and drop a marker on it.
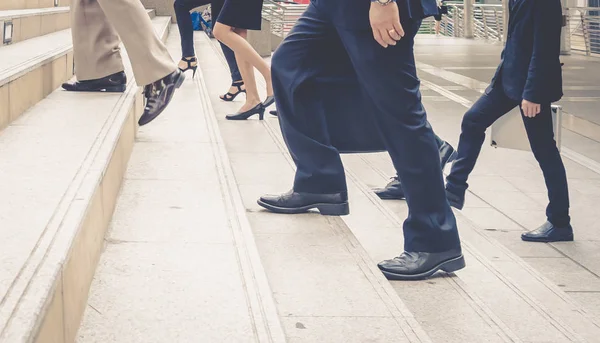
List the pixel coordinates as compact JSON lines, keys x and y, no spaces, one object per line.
{"x":62,"y":159}
{"x":499,"y":297}
{"x":188,"y":211}
{"x":184,"y":254}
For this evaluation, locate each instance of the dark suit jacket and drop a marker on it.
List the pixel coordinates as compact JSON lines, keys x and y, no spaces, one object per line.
{"x":530,"y":67}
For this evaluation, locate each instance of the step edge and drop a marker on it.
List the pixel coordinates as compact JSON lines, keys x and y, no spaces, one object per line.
{"x":509,"y":334}
{"x":25,"y":13}
{"x":77,"y":212}
{"x":14,"y":72}
{"x":398,"y":310}
{"x":490,"y":265}
{"x":254,"y":275}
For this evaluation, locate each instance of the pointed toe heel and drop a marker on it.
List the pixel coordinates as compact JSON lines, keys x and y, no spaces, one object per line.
{"x":258,"y":109}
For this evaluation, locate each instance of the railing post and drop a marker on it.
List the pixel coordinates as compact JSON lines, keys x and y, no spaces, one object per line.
{"x":505,"y":17}
{"x":485,"y":24}
{"x":586,"y":35}
{"x":497,"y":18}
{"x":468,"y":18}
{"x":565,"y":35}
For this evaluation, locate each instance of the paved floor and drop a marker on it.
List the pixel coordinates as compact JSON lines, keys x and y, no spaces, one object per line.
{"x":168,"y":274}
{"x":465,"y":68}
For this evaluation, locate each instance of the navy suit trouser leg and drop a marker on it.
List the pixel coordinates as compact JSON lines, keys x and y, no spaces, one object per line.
{"x":316,"y":53}
{"x":310,"y":57}
{"x":486,"y":110}
{"x":389,"y":78}
{"x":540,"y":131}
{"x":491,"y":106}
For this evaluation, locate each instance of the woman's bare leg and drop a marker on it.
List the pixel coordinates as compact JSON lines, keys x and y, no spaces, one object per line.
{"x":247,"y":72}
{"x":244,"y":51}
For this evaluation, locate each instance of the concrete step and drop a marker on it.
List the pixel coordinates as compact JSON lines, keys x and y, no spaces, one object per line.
{"x":495,"y":277}
{"x":180,"y":263}
{"x":498,"y":298}
{"x":31,"y":23}
{"x":326,"y":287}
{"x":33,"y":68}
{"x":61,"y":166}
{"x":31,"y":4}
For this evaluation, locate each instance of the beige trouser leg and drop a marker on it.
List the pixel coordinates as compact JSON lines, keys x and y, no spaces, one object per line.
{"x":149,"y":56}
{"x":95,"y":42}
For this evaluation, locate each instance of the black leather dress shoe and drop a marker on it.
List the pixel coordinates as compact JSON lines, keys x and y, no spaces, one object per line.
{"x":455,"y":200}
{"x":549,"y":233}
{"x":394,"y":190}
{"x":112,"y":83}
{"x":421,"y":265}
{"x":293,"y":202}
{"x":159,"y":94}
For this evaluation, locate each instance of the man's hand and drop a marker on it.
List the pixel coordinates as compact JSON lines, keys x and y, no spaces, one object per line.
{"x":385,"y":22}
{"x":530,"y":109}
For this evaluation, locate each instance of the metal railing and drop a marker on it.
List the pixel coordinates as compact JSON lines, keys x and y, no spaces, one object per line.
{"x":488,"y":23}
{"x":584,"y":29}
{"x":282,"y":15}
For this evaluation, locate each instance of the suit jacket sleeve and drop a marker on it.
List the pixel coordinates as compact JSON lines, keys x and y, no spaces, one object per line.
{"x":546,"y":42}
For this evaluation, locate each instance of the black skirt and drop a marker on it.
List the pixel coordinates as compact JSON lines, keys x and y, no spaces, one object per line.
{"x":242,"y":14}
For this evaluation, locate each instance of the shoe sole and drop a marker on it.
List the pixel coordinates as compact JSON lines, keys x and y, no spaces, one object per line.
{"x":325,"y":209}
{"x":449,"y":266}
{"x":546,"y":240}
{"x":114,"y":89}
{"x":177,"y":85}
{"x":389,"y":197}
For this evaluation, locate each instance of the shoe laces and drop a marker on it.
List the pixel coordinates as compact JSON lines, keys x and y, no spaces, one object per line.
{"x":152,"y":94}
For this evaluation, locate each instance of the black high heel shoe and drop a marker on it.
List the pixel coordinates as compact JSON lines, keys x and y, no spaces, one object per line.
{"x":258,"y":109}
{"x":189,"y":61}
{"x":231,"y":96}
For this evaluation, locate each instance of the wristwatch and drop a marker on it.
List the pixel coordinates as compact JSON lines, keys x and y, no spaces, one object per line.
{"x":383,"y":2}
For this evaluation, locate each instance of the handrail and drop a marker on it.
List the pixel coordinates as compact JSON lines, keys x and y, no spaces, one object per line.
{"x":282,"y":15}
{"x":488,"y":22}
{"x":584,"y":29}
